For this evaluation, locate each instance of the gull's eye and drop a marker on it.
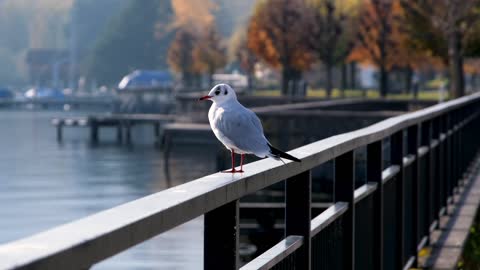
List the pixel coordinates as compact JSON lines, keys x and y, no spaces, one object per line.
{"x":217,"y":92}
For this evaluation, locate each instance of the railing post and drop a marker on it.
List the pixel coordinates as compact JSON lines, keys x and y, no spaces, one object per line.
{"x":298,"y":190}
{"x":344,"y":191}
{"x":461,"y":119}
{"x":221,"y":238}
{"x":128,"y":131}
{"x":396,"y":157}
{"x":441,"y":167}
{"x":93,"y":130}
{"x":413,"y":143}
{"x":374,"y":174}
{"x":448,"y":157}
{"x":426,"y":136}
{"x":60,"y":131}
{"x":119,"y":133}
{"x":455,"y":147}
{"x":436,"y":173}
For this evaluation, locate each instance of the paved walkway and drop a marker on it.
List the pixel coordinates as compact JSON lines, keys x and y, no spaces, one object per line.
{"x":448,"y":241}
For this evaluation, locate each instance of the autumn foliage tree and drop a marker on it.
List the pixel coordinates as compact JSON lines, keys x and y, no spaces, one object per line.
{"x":197,"y":48}
{"x":377,"y":35}
{"x":180,"y":57}
{"x":209,"y":53}
{"x":193,"y":14}
{"x":277,"y":35}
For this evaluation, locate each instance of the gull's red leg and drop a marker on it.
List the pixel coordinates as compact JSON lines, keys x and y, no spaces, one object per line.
{"x":242,"y":158}
{"x":233,"y":163}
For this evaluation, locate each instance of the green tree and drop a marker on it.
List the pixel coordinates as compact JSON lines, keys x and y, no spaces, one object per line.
{"x":329,"y":39}
{"x":137,"y":38}
{"x":90,"y":18}
{"x":450,"y":24}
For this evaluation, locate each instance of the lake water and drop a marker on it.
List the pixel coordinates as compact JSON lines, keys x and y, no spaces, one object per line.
{"x":44,"y":184}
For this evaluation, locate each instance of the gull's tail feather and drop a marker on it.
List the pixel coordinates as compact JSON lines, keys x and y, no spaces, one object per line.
{"x":280,"y":154}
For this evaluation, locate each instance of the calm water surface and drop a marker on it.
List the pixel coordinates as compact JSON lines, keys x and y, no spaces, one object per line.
{"x":45,"y":184}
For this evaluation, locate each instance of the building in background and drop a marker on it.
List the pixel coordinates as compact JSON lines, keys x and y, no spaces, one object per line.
{"x":48,"y":67}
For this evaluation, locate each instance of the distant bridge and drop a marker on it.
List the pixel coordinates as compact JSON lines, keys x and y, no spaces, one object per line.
{"x":380,"y":225}
{"x":46,"y":103}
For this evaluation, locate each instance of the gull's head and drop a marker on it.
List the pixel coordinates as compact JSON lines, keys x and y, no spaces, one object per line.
{"x":220,"y":93}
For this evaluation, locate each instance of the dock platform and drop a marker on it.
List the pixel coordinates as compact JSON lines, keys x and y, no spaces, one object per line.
{"x":123,"y":122}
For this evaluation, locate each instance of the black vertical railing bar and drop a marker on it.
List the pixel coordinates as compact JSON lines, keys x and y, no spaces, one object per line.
{"x":396,"y":157}
{"x":426,"y":140}
{"x":221,"y":237}
{"x":374,"y":174}
{"x":413,"y":143}
{"x":467,"y":115}
{"x":451,"y":167}
{"x":442,"y":202}
{"x":471,"y":115}
{"x":461,"y":158}
{"x":456,"y":146}
{"x":436,"y":172}
{"x":444,"y":158}
{"x":344,"y":177}
{"x":453,"y":151}
{"x":298,"y":190}
{"x":448,"y":154}
{"x":431,"y":178}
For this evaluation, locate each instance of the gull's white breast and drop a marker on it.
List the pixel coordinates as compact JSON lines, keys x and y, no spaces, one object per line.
{"x":238,"y":128}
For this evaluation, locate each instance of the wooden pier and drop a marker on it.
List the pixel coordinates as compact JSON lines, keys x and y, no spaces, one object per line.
{"x":122,"y":122}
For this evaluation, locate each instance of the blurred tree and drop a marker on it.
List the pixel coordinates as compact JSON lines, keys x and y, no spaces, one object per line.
{"x":243,"y":55}
{"x":180,"y":57}
{"x":231,"y":14}
{"x":193,"y":14}
{"x":137,"y":38}
{"x":452,"y":21}
{"x":422,"y":35}
{"x":277,"y":35}
{"x":91,"y":18}
{"x":209,"y":54}
{"x":378,"y":38}
{"x":329,"y":40}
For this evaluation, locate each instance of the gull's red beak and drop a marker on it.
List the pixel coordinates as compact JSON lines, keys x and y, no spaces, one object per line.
{"x":205,"y":98}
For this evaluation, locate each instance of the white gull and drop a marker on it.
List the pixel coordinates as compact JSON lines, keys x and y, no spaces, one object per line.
{"x":238,"y":128}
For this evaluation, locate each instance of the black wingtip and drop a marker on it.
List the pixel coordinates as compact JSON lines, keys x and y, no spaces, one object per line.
{"x":282,"y":154}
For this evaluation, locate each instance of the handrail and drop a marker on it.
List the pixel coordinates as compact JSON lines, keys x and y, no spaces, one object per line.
{"x":363,"y":191}
{"x":390,"y":172}
{"x":408,"y":159}
{"x":328,"y":216}
{"x":87,"y":241}
{"x":275,"y":254}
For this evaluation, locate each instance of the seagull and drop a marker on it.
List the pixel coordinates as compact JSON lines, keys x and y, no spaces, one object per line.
{"x":238,"y":128}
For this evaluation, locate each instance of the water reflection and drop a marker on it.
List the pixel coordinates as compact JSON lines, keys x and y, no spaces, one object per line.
{"x":45,"y":184}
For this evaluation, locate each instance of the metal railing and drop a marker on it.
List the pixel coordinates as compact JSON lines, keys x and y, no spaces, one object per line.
{"x":380,"y":225}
